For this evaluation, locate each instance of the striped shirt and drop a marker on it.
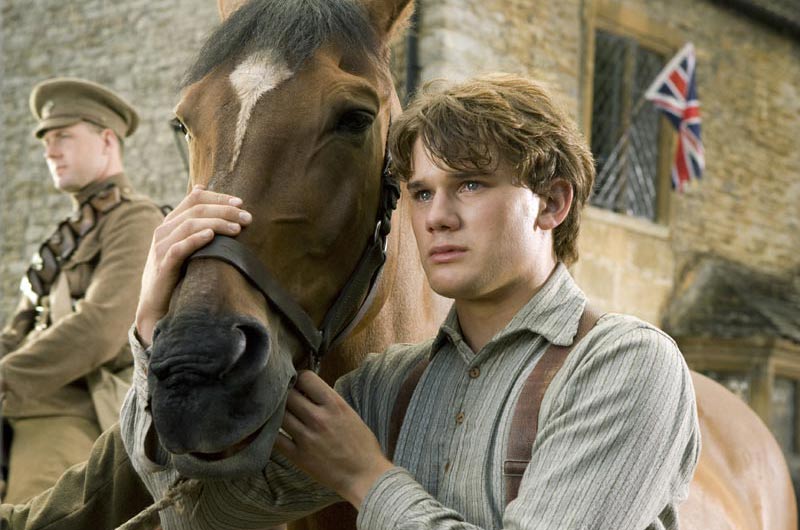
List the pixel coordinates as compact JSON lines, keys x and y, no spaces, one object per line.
{"x":617,"y":444}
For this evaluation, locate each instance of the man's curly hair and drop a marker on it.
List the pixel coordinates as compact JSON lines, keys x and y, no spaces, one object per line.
{"x":476,"y":124}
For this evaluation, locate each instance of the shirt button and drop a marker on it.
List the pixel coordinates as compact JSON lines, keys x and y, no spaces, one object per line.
{"x":459,"y":418}
{"x":474,"y":372}
{"x":447,"y":467}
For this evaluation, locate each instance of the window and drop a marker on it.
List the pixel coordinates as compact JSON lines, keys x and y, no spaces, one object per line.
{"x":738,"y":383}
{"x":625,"y":130}
{"x":784,"y":414}
{"x":630,"y":140}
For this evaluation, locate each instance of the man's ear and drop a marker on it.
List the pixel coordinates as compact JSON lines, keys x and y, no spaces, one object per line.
{"x":554,"y":205}
{"x":108,"y":136}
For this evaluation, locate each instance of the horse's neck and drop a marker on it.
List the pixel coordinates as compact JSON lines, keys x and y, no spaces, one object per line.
{"x":407,"y":311}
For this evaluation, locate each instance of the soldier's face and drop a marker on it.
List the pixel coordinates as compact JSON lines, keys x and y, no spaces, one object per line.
{"x":77,"y":156}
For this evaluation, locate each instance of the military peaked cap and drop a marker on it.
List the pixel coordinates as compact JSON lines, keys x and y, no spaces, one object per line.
{"x":64,"y":101}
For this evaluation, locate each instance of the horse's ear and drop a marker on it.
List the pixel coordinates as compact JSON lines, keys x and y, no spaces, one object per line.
{"x":389,"y":16}
{"x":227,"y":7}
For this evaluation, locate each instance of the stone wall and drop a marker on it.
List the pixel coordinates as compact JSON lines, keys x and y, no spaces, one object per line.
{"x":140,"y":48}
{"x":745,"y":209}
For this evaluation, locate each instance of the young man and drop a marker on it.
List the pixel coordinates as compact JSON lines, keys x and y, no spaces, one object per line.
{"x":65,"y":359}
{"x":497,"y":176}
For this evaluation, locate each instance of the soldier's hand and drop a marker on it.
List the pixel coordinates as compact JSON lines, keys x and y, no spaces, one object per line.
{"x":187,"y":228}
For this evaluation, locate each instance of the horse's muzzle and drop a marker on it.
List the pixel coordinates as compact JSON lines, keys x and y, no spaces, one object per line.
{"x":214,"y":382}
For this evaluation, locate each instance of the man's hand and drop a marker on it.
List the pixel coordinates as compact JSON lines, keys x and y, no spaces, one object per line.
{"x":186,"y":229}
{"x":329,"y":441}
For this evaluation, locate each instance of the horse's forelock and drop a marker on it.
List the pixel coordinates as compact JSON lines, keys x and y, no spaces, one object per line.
{"x":291,"y":29}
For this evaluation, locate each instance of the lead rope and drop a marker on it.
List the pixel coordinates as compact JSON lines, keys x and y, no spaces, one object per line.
{"x":183,"y":489}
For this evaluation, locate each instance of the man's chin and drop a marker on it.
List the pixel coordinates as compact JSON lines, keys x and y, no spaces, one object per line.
{"x":64,"y":186}
{"x":454,"y":288}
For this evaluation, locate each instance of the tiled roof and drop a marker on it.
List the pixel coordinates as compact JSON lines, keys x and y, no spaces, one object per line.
{"x":717,"y":298}
{"x":783,"y":15}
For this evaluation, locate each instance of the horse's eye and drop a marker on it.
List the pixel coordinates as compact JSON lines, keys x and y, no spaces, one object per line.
{"x":178,"y":125}
{"x":354,"y":121}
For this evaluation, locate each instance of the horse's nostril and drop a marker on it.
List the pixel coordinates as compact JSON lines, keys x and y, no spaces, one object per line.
{"x":234,"y":350}
{"x":239,"y":348}
{"x":156,"y":330}
{"x":250,"y":355}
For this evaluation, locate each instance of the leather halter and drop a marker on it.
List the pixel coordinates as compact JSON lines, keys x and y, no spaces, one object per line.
{"x":353,"y":300}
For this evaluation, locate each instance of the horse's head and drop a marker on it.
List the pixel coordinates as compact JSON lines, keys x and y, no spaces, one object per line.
{"x":288,"y":107}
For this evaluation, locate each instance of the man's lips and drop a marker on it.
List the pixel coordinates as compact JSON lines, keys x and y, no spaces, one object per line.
{"x":446,"y":253}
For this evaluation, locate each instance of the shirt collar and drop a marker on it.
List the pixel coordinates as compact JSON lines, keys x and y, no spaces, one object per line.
{"x":553,"y":312}
{"x":120,"y":180}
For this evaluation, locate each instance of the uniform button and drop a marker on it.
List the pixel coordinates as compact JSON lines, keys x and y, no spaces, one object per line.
{"x":447,"y":467}
{"x":474,"y":372}
{"x":459,"y":418}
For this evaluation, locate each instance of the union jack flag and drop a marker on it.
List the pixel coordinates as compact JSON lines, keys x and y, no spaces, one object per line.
{"x":674,"y":92}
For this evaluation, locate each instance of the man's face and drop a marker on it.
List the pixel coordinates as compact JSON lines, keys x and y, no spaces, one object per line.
{"x":475,"y":232}
{"x":77,"y":156}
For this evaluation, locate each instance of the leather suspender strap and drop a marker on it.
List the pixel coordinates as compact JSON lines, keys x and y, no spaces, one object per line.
{"x":401,"y":404}
{"x":525,"y":422}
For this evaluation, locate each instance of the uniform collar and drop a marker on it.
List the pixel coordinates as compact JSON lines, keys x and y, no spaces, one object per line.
{"x":553,"y":312}
{"x":120,"y":180}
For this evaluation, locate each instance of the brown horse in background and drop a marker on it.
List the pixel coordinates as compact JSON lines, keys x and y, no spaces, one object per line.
{"x":297,"y":128}
{"x":741,"y":481}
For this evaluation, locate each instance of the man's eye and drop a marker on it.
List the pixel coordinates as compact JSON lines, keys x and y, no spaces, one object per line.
{"x":422,"y":195}
{"x":471,"y":185}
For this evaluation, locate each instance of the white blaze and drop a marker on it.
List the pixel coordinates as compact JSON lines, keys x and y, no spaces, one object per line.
{"x":260,"y":72}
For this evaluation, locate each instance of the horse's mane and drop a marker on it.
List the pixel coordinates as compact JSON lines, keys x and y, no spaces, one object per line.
{"x":294,"y":29}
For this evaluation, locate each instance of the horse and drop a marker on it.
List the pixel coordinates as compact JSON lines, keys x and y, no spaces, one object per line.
{"x":291,"y":112}
{"x":741,"y":481}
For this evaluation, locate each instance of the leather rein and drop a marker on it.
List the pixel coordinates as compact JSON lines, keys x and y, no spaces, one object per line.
{"x":352,"y":302}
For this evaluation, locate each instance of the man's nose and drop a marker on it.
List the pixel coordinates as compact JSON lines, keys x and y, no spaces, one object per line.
{"x":442,"y":214}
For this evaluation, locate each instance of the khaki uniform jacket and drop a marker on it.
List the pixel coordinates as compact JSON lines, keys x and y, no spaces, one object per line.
{"x":44,"y":370}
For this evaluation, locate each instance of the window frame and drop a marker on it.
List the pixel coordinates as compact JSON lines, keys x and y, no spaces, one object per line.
{"x":623,"y":21}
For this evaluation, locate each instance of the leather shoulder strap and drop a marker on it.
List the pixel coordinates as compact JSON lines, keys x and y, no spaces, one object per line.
{"x":525,"y":422}
{"x":401,"y":404}
{"x":59,"y":247}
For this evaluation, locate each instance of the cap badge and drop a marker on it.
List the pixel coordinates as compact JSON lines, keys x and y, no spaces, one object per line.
{"x":47,"y":108}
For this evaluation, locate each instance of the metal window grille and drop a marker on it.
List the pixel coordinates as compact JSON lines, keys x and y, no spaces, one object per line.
{"x":625,"y":131}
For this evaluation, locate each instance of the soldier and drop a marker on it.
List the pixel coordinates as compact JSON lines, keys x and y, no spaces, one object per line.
{"x":66,"y":362}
